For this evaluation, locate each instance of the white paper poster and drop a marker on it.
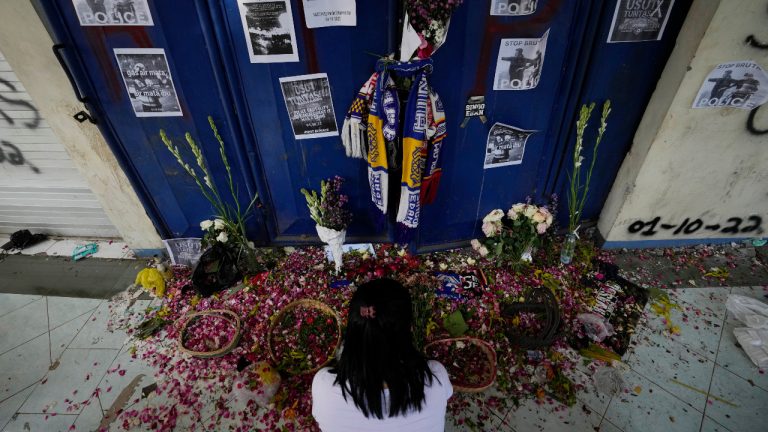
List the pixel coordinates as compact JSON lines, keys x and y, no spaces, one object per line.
{"x":327,"y":13}
{"x":113,"y":12}
{"x":148,"y":80}
{"x":505,"y":145}
{"x":309,"y":104}
{"x":513,"y":7}
{"x":742,"y":84}
{"x":639,"y":20}
{"x":520,"y":63}
{"x":269,"y":31}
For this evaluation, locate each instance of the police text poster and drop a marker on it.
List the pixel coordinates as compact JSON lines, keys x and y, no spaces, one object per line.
{"x":520,"y":63}
{"x":742,"y":84}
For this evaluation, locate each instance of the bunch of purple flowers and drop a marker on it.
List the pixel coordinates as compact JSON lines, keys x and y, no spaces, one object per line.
{"x":329,"y":209}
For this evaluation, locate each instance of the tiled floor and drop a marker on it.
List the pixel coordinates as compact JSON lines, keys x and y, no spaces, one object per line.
{"x":54,"y":349}
{"x":65,"y":247}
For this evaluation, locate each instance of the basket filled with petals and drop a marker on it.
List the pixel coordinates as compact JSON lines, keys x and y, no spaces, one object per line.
{"x":470,"y":362}
{"x":303,"y":336}
{"x":211,"y":333}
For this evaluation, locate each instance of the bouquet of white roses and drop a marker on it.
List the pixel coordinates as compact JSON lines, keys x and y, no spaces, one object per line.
{"x":512,"y":236}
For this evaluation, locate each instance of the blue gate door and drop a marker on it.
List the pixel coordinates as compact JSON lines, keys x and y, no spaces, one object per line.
{"x":180,"y":31}
{"x":465,"y":66}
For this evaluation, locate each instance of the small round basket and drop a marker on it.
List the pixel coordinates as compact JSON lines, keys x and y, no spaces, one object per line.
{"x":307,"y":304}
{"x":488,"y":352}
{"x":224,"y":314}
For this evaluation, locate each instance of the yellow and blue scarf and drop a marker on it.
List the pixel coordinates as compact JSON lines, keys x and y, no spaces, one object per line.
{"x":375,"y":110}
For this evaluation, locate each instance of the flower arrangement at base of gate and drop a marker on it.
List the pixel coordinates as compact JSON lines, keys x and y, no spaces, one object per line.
{"x":512,"y":236}
{"x":227,"y":229}
{"x":329,"y":211}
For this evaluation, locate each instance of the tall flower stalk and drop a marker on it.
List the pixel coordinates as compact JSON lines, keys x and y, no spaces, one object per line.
{"x":231,"y":215}
{"x":577,"y":194}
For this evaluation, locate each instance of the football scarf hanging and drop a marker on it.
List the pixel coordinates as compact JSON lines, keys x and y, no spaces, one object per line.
{"x":371,"y":129}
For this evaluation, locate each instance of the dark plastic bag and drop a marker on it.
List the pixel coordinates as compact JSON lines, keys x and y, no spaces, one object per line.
{"x":216,"y":270}
{"x":22,"y":239}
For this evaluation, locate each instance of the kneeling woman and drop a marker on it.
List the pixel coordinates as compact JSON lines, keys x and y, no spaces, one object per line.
{"x":381,"y":382}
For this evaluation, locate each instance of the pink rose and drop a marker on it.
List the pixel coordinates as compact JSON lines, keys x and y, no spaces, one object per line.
{"x":541,"y":228}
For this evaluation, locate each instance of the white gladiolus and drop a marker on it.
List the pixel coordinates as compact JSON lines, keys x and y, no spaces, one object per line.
{"x":222,"y":237}
{"x":475,"y":244}
{"x":206,"y":225}
{"x":219,"y":224}
{"x":483,"y":251}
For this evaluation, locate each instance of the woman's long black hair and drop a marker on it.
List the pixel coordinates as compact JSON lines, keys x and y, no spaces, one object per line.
{"x":379,"y":350}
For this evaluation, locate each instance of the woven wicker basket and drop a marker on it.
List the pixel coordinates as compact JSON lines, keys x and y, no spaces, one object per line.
{"x":224,"y":314}
{"x":309,"y":304}
{"x":487,"y":349}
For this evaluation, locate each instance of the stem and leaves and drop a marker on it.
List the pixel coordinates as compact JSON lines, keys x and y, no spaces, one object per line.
{"x":579,"y":182}
{"x":231,"y":213}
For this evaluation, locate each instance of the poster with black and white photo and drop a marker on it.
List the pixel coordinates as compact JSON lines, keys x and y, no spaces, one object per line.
{"x":513,"y":7}
{"x":741,"y":85}
{"x":505,"y":145}
{"x":269,"y":30}
{"x":639,"y":20}
{"x":148,"y":80}
{"x":327,"y":13}
{"x":520,"y":63}
{"x":113,"y":12}
{"x":309,"y":104}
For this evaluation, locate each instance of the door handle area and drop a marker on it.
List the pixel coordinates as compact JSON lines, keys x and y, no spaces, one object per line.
{"x":82,"y":115}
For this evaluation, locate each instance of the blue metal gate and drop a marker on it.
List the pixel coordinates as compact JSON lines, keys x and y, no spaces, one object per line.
{"x":208,"y":59}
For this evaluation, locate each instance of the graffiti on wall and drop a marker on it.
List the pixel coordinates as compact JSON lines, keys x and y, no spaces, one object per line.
{"x":755,"y":43}
{"x":734,"y":226}
{"x":9,"y":152}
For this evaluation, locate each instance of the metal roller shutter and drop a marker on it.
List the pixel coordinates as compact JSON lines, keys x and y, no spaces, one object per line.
{"x":40,"y":188}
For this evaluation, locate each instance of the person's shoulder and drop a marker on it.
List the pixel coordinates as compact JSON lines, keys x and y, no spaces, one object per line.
{"x":324,"y":378}
{"x":438,"y":369}
{"x":441,"y":378}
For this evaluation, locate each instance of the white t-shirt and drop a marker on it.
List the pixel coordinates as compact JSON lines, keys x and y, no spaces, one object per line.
{"x":334,"y":414}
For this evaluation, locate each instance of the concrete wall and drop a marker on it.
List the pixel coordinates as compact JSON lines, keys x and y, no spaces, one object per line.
{"x":695,"y":164}
{"x":27,"y":48}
